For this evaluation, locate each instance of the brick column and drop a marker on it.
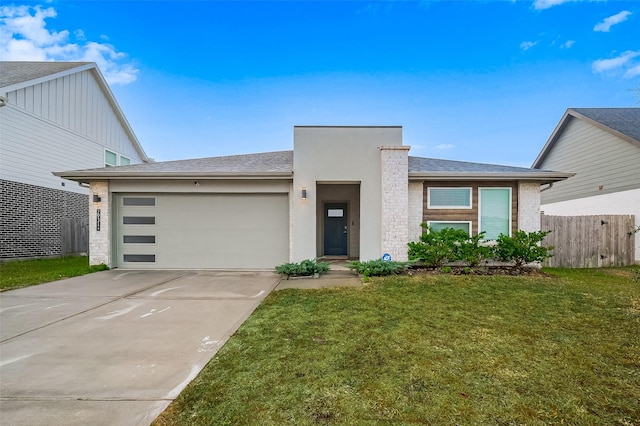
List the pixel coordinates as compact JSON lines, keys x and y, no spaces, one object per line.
{"x":100,"y":239}
{"x":394,"y":166}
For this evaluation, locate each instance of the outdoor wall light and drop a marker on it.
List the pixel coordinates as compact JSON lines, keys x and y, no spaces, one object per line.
{"x":304,"y":193}
{"x":96,"y":198}
{"x":196,"y":183}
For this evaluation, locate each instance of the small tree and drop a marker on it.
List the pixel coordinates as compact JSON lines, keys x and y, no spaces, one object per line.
{"x":523,"y":248}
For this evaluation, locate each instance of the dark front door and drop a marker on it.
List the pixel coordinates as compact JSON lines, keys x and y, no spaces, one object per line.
{"x":335,"y":229}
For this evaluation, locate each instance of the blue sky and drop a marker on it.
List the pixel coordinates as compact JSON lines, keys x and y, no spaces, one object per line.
{"x":483,"y":81}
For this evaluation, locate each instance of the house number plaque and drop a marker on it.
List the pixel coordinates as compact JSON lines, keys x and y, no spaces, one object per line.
{"x":97,"y":219}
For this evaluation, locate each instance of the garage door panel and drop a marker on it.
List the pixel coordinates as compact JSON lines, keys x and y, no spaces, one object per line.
{"x":206,"y":231}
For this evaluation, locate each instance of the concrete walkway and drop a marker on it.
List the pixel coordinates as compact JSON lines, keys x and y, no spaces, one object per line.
{"x":115,"y":347}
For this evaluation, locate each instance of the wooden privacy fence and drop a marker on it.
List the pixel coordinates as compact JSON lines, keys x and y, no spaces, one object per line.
{"x":589,"y":241}
{"x":75,"y":235}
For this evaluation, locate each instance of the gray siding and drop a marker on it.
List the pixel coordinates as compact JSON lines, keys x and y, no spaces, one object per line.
{"x":603,"y":163}
{"x":57,"y":125}
{"x":76,"y":102}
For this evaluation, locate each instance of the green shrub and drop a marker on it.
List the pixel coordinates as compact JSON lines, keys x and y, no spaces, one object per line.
{"x":436,"y":248}
{"x":305,"y":268}
{"x":523,"y":248}
{"x":377,"y":267}
{"x":472,"y":252}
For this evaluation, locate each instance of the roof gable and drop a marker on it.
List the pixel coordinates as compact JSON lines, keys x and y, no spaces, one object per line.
{"x":18,"y":75}
{"x":621,"y":122}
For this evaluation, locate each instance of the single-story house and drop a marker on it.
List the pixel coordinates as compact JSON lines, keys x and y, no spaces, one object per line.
{"x":350,"y":192}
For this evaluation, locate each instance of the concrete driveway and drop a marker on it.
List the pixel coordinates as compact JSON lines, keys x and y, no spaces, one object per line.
{"x":115,"y":347}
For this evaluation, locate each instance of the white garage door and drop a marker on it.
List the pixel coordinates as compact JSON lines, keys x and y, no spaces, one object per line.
{"x":192,"y":231}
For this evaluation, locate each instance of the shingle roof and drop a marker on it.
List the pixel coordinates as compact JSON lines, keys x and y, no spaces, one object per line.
{"x":279,"y":163}
{"x":436,"y":169}
{"x":426,"y":165}
{"x":623,"y":120}
{"x":20,"y":71}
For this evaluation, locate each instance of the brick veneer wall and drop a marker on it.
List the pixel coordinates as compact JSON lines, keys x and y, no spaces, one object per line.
{"x":529,"y":206}
{"x":31,"y":218}
{"x":100,"y":240}
{"x":395,"y":201}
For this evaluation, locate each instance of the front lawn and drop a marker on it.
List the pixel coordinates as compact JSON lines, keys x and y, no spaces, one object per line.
{"x":23,"y":273}
{"x":534,"y":350}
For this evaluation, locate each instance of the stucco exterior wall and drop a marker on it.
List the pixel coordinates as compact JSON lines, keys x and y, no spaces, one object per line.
{"x":100,"y":240}
{"x":624,"y":202}
{"x":339,"y":155}
{"x":529,"y":206}
{"x":395,"y":201}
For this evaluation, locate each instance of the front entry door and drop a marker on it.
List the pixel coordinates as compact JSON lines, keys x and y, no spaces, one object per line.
{"x":335,"y":229}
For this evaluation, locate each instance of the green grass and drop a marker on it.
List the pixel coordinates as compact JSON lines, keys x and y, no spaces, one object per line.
{"x":558,"y":349}
{"x":17,"y":274}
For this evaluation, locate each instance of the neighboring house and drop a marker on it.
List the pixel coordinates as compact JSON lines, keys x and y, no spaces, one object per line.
{"x":55,"y":116}
{"x":350,"y":192}
{"x":602,"y":147}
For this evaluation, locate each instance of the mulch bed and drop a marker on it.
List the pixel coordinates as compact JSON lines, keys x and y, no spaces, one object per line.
{"x":478,"y":270}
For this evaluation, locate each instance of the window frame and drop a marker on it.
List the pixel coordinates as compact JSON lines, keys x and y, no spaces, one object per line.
{"x":115,"y":154}
{"x":468,"y":222}
{"x":510,"y":207}
{"x":122,"y":157}
{"x":467,"y":207}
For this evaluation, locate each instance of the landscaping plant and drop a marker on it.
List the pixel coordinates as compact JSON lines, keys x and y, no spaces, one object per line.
{"x":305,"y":268}
{"x":436,"y":248}
{"x":378,"y":267}
{"x":523,"y":248}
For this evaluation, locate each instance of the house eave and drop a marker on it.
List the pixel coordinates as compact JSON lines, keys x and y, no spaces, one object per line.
{"x":541,"y":177}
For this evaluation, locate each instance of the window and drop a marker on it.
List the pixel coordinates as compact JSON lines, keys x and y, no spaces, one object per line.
{"x":449,"y":198}
{"x":124,"y":161}
{"x":495,"y":212}
{"x":138,"y":201}
{"x":110,"y":158}
{"x":138,"y":220}
{"x":139,"y":239}
{"x":148,"y":258}
{"x":437,"y":225}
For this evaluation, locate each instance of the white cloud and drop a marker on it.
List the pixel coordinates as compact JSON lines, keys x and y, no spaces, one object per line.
{"x":605,"y":26}
{"x":546,"y":4}
{"x":567,"y":44}
{"x":634,"y":71}
{"x":445,"y":146}
{"x":24,"y":37}
{"x":625,"y":61}
{"x":526,"y":45}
